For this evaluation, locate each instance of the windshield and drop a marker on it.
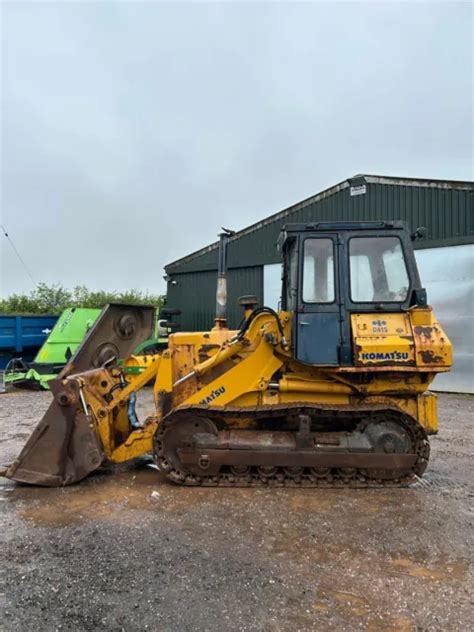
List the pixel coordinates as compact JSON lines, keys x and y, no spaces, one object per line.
{"x":378,"y":270}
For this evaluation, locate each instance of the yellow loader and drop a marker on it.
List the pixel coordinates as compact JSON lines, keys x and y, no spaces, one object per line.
{"x":332,"y":390}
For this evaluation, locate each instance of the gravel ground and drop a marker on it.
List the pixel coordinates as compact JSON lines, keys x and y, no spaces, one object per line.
{"x":129,"y":551}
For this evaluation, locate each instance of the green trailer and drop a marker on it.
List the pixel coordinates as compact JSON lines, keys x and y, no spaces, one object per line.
{"x":62,"y":342}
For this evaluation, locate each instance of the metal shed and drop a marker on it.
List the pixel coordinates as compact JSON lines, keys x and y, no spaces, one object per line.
{"x":444,"y":207}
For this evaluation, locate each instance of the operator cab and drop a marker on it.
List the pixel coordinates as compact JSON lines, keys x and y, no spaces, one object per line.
{"x":333,"y":269}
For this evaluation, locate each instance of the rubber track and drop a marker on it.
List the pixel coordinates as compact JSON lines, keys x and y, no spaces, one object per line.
{"x":364,"y":415}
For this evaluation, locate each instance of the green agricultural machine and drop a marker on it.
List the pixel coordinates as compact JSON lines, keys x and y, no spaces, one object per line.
{"x":65,"y":337}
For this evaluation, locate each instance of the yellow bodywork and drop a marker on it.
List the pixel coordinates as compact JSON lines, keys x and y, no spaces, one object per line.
{"x":412,"y":339}
{"x":396,"y":358}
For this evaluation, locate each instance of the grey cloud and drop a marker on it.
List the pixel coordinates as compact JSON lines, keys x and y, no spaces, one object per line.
{"x":132,"y":131}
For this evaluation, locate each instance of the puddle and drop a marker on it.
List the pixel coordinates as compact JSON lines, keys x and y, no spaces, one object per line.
{"x":439,"y":571}
{"x":113,"y":497}
{"x":398,"y":624}
{"x":352,"y":606}
{"x":356,"y":604}
{"x":116,"y":495}
{"x":315,"y":501}
{"x":360,"y":503}
{"x":291,"y":546}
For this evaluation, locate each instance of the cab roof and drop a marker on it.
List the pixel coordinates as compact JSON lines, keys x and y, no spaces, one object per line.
{"x":289,"y":231}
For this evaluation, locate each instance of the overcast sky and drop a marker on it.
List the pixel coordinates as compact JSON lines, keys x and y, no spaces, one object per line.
{"x":131,"y":132}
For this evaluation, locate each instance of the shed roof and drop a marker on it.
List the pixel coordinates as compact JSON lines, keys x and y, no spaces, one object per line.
{"x":355,"y":180}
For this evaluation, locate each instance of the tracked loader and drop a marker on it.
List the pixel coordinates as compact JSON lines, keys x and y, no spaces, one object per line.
{"x":331,"y":390}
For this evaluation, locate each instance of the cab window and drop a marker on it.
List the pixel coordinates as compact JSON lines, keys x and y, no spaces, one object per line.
{"x":378,"y":271}
{"x":318,"y":271}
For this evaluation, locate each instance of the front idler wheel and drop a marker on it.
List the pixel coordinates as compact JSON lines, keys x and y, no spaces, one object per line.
{"x":389,"y":437}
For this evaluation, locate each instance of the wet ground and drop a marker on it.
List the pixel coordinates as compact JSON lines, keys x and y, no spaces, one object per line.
{"x":129,"y":551}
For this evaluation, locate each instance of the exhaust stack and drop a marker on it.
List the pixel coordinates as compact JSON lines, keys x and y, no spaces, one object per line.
{"x":221,"y":293}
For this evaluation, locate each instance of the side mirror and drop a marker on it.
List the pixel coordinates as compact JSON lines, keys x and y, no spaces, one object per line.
{"x":420,"y":233}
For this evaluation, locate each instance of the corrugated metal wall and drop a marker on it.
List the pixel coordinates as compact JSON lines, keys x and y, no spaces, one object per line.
{"x":447,"y":213}
{"x":195,"y":294}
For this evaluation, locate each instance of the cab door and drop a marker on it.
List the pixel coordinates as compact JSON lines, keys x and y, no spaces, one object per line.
{"x":318,"y":315}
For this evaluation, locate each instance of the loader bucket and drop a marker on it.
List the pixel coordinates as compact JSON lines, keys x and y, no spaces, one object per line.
{"x":64,"y":447}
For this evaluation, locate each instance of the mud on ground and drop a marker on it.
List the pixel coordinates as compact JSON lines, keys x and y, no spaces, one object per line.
{"x":126,"y":550}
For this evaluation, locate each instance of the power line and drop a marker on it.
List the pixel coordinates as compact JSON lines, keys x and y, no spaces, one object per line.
{"x":18,"y":254}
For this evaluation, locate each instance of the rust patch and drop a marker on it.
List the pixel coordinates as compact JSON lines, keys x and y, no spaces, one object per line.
{"x":423,"y":331}
{"x":164,"y":402}
{"x":384,"y":363}
{"x":428,"y":357}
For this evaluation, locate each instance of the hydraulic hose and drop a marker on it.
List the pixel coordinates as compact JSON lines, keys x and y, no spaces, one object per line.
{"x":256,"y":312}
{"x":235,"y":342}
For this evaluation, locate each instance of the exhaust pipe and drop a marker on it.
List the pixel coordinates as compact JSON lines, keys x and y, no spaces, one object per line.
{"x":220,"y":321}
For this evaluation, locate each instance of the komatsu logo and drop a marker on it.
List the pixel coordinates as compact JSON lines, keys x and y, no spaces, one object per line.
{"x":389,"y":355}
{"x":213,"y":395}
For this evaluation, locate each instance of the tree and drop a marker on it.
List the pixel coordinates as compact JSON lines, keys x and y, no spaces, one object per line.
{"x":53,"y":299}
